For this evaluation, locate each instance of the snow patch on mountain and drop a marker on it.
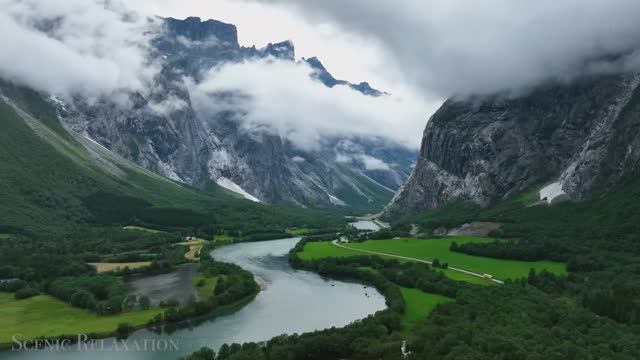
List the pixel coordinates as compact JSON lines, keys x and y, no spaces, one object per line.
{"x":335,"y":201}
{"x":230,"y":185}
{"x":551,"y":191}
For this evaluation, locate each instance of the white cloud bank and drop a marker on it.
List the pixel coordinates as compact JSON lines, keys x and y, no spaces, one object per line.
{"x":464,"y":47}
{"x":75,"y":47}
{"x":280,"y":97}
{"x":100,"y":48}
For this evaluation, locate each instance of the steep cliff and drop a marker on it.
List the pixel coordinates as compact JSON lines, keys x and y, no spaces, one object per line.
{"x":166,"y":134}
{"x":577,"y":139}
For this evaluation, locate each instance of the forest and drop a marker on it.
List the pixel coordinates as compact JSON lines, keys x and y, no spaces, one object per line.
{"x":590,"y":313}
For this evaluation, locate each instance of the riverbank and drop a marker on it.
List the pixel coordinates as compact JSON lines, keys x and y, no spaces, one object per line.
{"x":45,"y":317}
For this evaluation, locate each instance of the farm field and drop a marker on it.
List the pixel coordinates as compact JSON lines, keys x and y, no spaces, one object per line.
{"x":45,"y":316}
{"x":438,"y":248}
{"x":319,"y":250}
{"x":429,"y":249}
{"x":194,"y":248}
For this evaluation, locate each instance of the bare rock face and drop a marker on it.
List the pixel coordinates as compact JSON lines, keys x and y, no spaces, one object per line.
{"x":582,"y":135}
{"x":164,"y":132}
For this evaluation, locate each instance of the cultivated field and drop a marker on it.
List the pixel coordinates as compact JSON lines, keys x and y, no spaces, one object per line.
{"x":318,"y":250}
{"x":429,"y":249}
{"x":194,"y":248}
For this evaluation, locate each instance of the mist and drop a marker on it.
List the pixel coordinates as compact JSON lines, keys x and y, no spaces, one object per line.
{"x":282,"y":98}
{"x":459,"y":47}
{"x":76,"y":47}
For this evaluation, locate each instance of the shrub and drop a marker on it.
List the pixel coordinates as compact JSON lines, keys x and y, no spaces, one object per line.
{"x":26,"y":292}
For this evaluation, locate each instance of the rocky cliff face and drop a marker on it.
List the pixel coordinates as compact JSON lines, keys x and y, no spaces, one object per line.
{"x":164,"y":133}
{"x":580,"y":138}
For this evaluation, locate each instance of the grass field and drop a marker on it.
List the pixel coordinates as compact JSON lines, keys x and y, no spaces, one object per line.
{"x":318,"y":250}
{"x":44,"y":316}
{"x":418,"y":305}
{"x":205,"y":291}
{"x":105,"y":267}
{"x":4,"y":236}
{"x":429,"y":249}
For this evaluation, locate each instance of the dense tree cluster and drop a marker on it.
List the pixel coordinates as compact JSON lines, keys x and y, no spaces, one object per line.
{"x":520,"y":322}
{"x":104,"y":294}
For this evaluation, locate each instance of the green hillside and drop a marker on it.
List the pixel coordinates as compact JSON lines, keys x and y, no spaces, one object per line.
{"x":64,"y":201}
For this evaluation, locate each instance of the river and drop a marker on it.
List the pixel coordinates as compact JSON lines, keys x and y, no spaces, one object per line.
{"x":290,"y":302}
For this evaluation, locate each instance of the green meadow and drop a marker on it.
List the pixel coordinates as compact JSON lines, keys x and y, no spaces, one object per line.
{"x":418,"y":305}
{"x":208,"y":284}
{"x":319,"y":250}
{"x":438,"y":248}
{"x":45,"y":316}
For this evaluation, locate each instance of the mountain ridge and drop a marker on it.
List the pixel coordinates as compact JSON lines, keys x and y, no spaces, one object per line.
{"x":575,"y":138}
{"x":164,"y":133}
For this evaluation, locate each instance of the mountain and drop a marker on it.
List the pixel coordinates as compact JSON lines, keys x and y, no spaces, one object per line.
{"x":326,"y":78}
{"x":567,"y":140}
{"x":164,"y":133}
{"x":54,"y":180}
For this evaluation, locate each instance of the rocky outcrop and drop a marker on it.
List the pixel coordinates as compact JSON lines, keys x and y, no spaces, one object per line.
{"x":582,"y":136}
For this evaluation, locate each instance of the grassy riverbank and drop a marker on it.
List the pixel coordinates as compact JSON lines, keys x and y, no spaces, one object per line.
{"x":438,"y":248}
{"x":205,"y":285}
{"x":45,"y":316}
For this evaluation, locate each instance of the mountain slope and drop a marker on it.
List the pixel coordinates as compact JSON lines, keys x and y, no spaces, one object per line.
{"x":577,"y":138}
{"x":164,"y":133}
{"x":54,"y":179}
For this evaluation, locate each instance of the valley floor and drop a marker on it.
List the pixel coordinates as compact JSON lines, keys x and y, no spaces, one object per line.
{"x":420,"y":304}
{"x":437,"y":248}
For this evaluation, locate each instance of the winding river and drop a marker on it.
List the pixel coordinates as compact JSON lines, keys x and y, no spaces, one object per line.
{"x":290,"y":302}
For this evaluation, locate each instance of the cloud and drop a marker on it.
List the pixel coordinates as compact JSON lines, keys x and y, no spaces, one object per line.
{"x":167,"y":106}
{"x":372,"y":163}
{"x":280,"y":97}
{"x":464,"y":47}
{"x":75,"y":47}
{"x":369,"y":162}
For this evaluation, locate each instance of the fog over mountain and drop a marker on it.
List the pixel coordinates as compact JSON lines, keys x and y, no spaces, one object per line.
{"x":184,"y":99}
{"x":97,"y":49}
{"x":93,"y":48}
{"x":458,"y":47}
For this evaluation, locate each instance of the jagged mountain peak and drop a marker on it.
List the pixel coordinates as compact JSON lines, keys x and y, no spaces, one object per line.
{"x":323,"y":75}
{"x":164,"y":132}
{"x":194,"y":29}
{"x":315,"y":63}
{"x":282,"y":50}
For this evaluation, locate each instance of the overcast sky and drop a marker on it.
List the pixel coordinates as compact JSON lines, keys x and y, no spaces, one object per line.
{"x":421,"y":51}
{"x":346,"y":54}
